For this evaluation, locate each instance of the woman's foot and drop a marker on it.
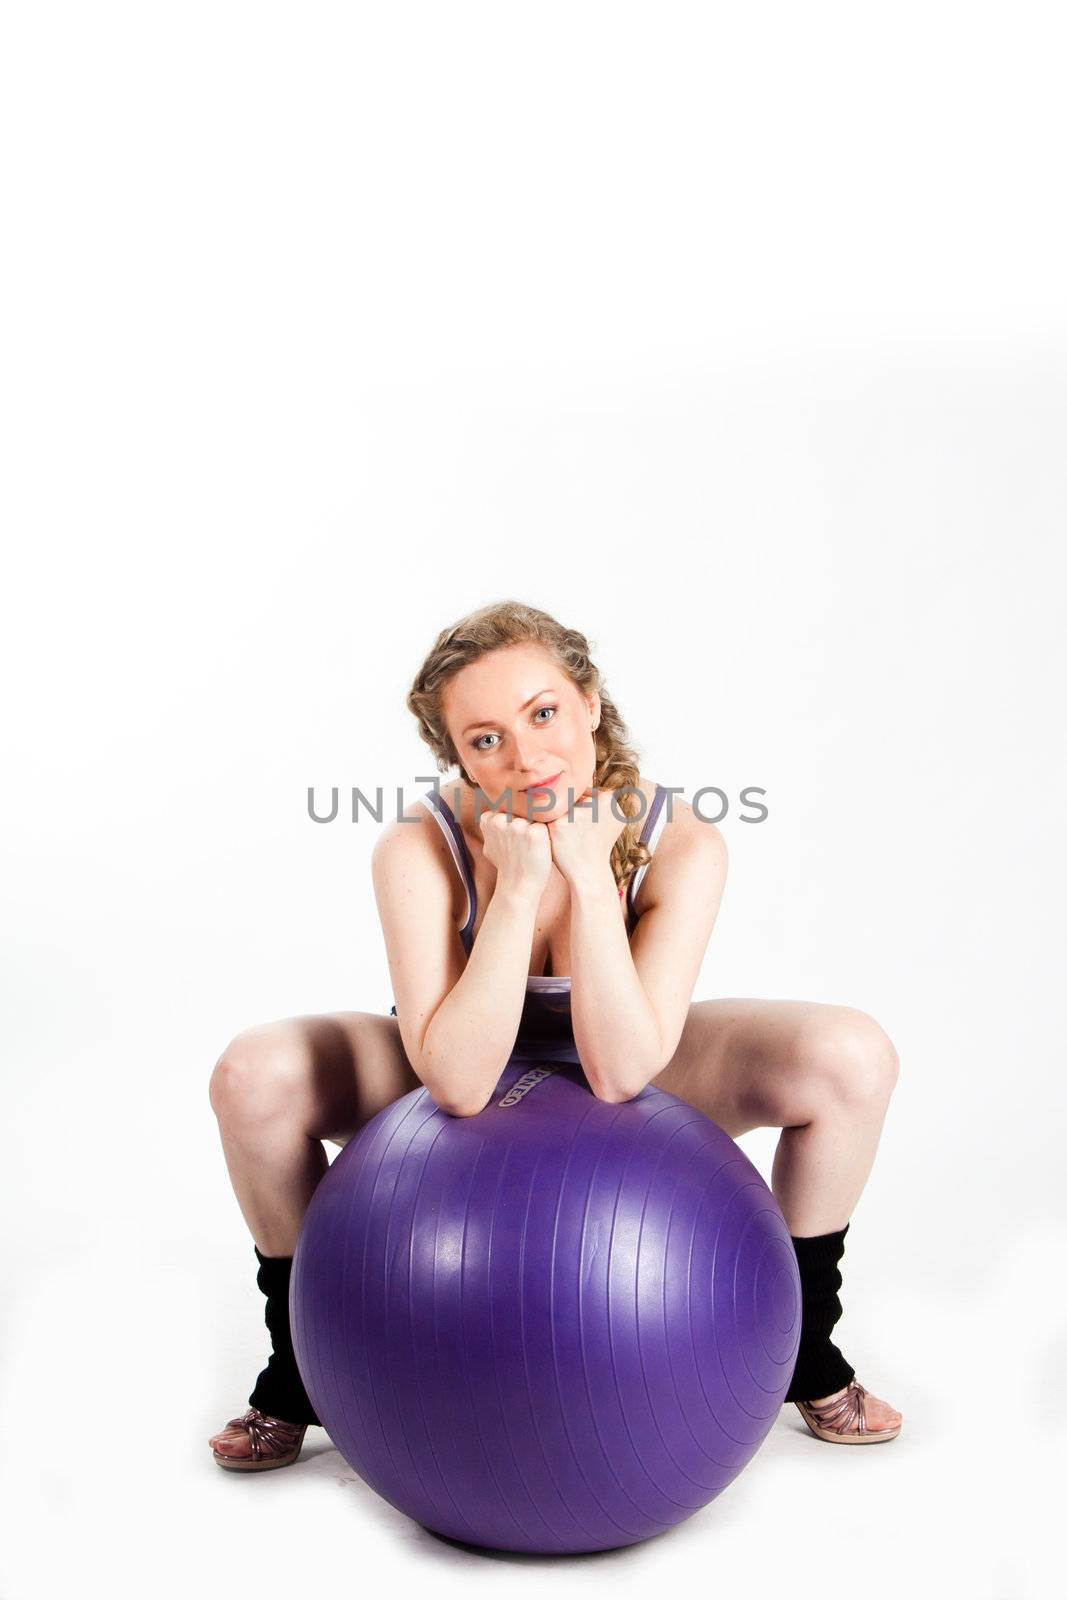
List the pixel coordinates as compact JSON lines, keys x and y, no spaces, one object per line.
{"x":256,"y":1442}
{"x":851,"y":1416}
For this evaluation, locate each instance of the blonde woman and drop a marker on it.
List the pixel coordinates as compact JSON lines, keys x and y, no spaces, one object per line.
{"x":548,"y":899}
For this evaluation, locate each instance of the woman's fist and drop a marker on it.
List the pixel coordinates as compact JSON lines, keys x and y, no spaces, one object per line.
{"x":521,"y":851}
{"x":582,"y":842}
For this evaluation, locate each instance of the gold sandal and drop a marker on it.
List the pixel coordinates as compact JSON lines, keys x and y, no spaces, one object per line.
{"x":843,"y":1419}
{"x":274,"y":1443}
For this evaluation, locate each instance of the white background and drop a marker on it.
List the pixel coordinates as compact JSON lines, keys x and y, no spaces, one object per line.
{"x":734,"y":337}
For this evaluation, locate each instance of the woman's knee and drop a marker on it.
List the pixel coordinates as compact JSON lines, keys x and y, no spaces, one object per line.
{"x":260,"y":1071}
{"x":848,"y":1056}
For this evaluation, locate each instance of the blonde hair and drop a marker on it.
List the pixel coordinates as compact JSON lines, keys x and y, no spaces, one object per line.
{"x":509,"y":622}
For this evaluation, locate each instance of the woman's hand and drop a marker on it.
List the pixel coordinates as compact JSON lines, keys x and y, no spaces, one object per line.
{"x":582,"y":847}
{"x":519,"y":850}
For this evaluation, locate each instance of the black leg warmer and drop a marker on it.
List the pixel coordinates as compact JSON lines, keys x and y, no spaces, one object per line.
{"x":279,"y":1390}
{"x":821,"y":1369}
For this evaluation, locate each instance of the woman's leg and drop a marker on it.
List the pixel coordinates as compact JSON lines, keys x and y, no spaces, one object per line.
{"x":824,"y":1074}
{"x":277,"y":1091}
{"x":281,"y":1088}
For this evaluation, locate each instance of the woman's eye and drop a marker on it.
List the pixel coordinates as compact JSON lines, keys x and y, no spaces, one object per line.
{"x":483,"y":749}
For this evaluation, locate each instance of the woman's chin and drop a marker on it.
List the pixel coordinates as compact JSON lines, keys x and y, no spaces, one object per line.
{"x":538,"y":808}
{"x":543,"y":813}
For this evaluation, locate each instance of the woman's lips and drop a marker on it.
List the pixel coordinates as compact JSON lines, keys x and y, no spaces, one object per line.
{"x":545,"y":783}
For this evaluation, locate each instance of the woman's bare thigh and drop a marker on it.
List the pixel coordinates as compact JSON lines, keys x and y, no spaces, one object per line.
{"x":739,"y":1061}
{"x":343,"y":1067}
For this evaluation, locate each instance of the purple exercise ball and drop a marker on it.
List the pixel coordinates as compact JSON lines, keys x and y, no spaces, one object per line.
{"x":560,"y":1325}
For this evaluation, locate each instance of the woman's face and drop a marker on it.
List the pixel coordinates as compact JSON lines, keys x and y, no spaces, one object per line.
{"x":516,"y":719}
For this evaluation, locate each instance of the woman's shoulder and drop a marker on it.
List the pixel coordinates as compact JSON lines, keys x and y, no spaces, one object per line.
{"x":417,"y":829}
{"x":675,"y":805}
{"x":683,"y":841}
{"x":412,"y":853}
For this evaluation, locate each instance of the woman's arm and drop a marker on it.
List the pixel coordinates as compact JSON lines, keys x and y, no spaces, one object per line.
{"x":473,"y":1031}
{"x":630,"y":999}
{"x":458,"y":1018}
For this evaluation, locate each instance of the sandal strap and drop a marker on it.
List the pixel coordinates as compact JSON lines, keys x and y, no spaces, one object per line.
{"x":845,"y":1414}
{"x":272,"y":1433}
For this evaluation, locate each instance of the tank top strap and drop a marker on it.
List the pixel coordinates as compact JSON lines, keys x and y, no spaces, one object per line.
{"x":650,"y":835}
{"x":442,"y":811}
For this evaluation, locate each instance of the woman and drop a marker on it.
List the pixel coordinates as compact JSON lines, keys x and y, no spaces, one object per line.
{"x":577,"y":921}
